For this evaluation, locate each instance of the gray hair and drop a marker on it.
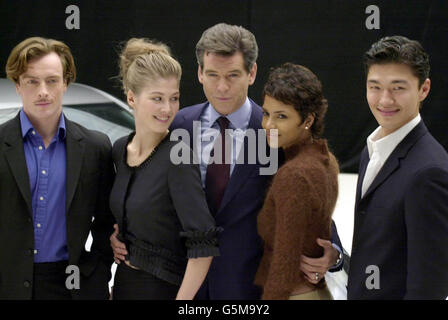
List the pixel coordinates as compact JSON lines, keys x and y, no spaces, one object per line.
{"x":225,"y":39}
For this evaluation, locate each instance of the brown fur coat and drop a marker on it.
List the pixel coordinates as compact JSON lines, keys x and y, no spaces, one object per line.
{"x":297,"y":210}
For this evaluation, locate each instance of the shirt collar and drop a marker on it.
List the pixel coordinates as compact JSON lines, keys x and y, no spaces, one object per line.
{"x":27,"y":126}
{"x":387,"y":144}
{"x":239,"y":119}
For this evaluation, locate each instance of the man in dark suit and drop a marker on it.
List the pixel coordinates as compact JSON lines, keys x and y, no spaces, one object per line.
{"x":55,"y":178}
{"x":401,"y":211}
{"x":235,"y":191}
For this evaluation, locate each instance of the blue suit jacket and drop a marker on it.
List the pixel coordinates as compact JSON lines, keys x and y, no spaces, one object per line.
{"x":231,"y":275}
{"x":401,"y":223}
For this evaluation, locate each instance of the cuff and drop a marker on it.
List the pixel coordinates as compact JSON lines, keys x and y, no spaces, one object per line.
{"x":202,"y":243}
{"x":340,"y":260}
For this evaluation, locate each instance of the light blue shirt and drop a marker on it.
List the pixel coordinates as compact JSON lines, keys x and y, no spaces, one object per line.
{"x":238,"y":121}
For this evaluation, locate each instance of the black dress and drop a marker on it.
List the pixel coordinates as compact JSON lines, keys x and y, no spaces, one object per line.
{"x":163,"y":218}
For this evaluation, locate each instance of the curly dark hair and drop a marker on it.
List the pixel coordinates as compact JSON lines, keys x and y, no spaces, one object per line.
{"x":399,"y":49}
{"x":296,"y":85}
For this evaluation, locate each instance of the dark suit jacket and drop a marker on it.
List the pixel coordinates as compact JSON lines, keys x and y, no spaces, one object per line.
{"x":401,"y":223}
{"x":88,"y":182}
{"x":231,"y":275}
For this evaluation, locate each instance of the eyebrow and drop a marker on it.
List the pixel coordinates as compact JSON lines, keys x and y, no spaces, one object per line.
{"x":27,"y":76}
{"x":393,"y":81}
{"x":161,"y":93}
{"x":280,"y":111}
{"x":232,"y":71}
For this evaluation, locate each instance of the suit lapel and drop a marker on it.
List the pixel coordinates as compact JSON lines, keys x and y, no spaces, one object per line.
{"x":241,"y":172}
{"x":189,"y":118}
{"x":364,"y":161}
{"x":15,"y":155}
{"x":393,"y":162}
{"x":75,"y":155}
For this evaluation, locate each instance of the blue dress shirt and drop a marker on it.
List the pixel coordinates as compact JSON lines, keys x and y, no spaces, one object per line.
{"x":238,"y":121}
{"x":47,"y":175}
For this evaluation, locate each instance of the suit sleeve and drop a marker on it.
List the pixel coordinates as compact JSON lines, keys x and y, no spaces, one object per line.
{"x":336,"y":241}
{"x":102,"y":226}
{"x":426,"y":217}
{"x":291,"y":212}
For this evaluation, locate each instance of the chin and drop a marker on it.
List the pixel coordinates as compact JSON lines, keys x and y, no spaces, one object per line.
{"x":274,"y":145}
{"x":161,"y":130}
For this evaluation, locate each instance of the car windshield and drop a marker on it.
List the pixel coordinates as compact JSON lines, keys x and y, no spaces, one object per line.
{"x":107,"y":111}
{"x":108,"y":118}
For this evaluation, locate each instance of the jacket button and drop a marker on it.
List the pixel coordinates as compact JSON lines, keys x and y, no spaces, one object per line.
{"x":26,"y":284}
{"x":362,"y":212}
{"x":29,"y":252}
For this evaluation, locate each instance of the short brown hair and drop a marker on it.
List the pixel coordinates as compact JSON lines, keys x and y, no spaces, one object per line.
{"x":296,"y":85}
{"x":399,"y":49}
{"x":226,"y":40}
{"x":36,"y":47}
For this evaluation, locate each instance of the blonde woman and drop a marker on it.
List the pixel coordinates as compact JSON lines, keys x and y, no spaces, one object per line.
{"x":160,"y":207}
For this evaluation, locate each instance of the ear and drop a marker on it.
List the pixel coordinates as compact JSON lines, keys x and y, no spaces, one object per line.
{"x":131,"y":99}
{"x":253,"y":74}
{"x":309,"y":121}
{"x":200,"y":75}
{"x":424,"y":89}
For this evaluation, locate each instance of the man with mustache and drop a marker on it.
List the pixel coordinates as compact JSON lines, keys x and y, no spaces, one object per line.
{"x":55,"y":179}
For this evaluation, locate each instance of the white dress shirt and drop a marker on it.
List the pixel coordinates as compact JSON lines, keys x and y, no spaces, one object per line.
{"x":381,"y":149}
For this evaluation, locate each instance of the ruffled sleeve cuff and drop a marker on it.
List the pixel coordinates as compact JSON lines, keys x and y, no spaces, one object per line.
{"x":202,"y":243}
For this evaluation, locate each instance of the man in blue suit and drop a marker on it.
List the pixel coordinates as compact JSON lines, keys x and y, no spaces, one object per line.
{"x":227,"y":57}
{"x":401,"y":211}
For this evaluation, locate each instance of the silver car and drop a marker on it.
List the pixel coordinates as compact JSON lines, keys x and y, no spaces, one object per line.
{"x":86,"y":105}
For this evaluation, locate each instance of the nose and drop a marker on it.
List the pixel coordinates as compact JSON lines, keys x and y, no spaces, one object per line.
{"x":43,"y":90}
{"x":167,"y":106}
{"x":269,"y":123}
{"x":386,"y":98}
{"x":223,"y":86}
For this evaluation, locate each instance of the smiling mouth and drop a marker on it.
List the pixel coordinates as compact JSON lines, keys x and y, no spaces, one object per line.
{"x":388,"y":113}
{"x":162,"y":119}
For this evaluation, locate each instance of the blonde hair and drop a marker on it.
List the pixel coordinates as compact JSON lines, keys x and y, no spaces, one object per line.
{"x":36,"y":47}
{"x":143,"y":60}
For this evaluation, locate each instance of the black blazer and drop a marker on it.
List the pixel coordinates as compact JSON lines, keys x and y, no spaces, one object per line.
{"x":401,"y":223}
{"x":89,"y":179}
